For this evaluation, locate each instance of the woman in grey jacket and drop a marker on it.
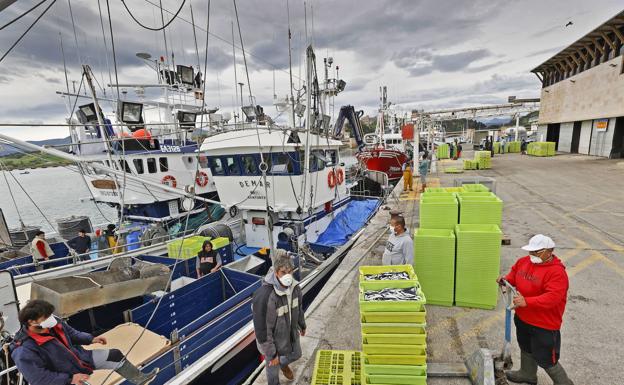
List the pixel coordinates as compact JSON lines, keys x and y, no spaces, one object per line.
{"x":278,"y":318}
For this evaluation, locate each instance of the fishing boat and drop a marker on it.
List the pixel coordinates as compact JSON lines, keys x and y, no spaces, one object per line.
{"x":287,"y":187}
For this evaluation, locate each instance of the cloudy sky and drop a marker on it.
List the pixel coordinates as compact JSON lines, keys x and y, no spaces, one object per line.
{"x":430,"y":54}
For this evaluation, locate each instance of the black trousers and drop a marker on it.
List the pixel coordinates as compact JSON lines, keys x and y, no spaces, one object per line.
{"x":544,"y":345}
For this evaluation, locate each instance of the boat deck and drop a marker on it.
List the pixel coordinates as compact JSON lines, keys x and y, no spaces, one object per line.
{"x":569,"y":197}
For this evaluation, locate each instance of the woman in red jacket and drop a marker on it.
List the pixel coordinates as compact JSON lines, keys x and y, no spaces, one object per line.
{"x":542,"y":284}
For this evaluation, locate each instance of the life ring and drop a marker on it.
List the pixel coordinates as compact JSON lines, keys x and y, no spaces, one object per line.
{"x":201,"y":179}
{"x":340,"y":176}
{"x":170,"y":181}
{"x":331,"y":179}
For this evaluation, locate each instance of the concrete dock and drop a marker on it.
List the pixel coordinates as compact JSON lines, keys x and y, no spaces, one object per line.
{"x":574,"y":199}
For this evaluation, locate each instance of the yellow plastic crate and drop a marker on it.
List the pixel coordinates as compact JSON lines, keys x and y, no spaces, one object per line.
{"x":185,"y":248}
{"x":337,"y":367}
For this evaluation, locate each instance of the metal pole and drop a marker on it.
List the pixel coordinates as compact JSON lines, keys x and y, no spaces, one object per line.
{"x":241,"y":84}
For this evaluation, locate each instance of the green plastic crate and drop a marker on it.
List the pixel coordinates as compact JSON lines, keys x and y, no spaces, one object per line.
{"x":419,"y":317}
{"x":477,"y":265}
{"x":382,"y":284}
{"x":409,"y":370}
{"x":475,"y":187}
{"x":220,"y":242}
{"x":470,"y":164}
{"x":393,"y":328}
{"x":386,"y":349}
{"x":487,"y":209}
{"x":453,"y":170}
{"x":442,"y":151}
{"x":454,"y":189}
{"x":388,"y":379}
{"x":434,"y":259}
{"x":185,"y":248}
{"x":434,"y":189}
{"x":418,"y":357}
{"x":337,"y":367}
{"x":395,"y":339}
{"x":439,"y":212}
{"x":390,"y":306}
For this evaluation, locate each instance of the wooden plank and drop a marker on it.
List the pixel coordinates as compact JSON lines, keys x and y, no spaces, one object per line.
{"x":608,"y":40}
{"x":601,"y":48}
{"x":122,"y":337}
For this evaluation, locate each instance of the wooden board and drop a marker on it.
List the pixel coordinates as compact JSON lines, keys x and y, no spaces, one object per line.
{"x":122,"y":337}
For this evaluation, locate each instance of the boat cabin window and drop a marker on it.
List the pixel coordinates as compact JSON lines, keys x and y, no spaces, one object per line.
{"x":125,"y":166}
{"x":281,"y":163}
{"x":249,"y":165}
{"x":164,"y":164}
{"x":138,"y":164}
{"x":317,"y":160}
{"x":216,"y":166}
{"x":332,"y":156}
{"x":151,"y":165}
{"x":232,"y":166}
{"x":203,"y":161}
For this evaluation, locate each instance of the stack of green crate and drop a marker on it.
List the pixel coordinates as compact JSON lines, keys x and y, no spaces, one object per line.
{"x":480,"y":208}
{"x":185,"y":248}
{"x":513,"y":147}
{"x":470,"y":164}
{"x":475,"y":187}
{"x":550,"y":148}
{"x":454,"y":189}
{"x":434,"y":263}
{"x":393,"y":332}
{"x":477,"y":265}
{"x":442,"y":152}
{"x":497,"y":147}
{"x":337,"y":367}
{"x":483,"y":159}
{"x":453,"y":170}
{"x":434,"y":189}
{"x":438,"y":210}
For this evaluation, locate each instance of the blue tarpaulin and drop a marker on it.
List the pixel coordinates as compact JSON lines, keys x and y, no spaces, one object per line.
{"x":347,"y":222}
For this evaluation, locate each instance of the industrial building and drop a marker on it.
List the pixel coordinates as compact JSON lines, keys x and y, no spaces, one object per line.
{"x":582,"y":98}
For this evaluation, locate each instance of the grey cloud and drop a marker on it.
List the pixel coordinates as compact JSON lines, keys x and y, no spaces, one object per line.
{"x":419,"y":62}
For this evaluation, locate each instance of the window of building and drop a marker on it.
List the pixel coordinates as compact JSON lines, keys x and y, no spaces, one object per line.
{"x":249,"y":165}
{"x":138,"y":165}
{"x":164,"y":164}
{"x":216,"y":166}
{"x":232,"y":166}
{"x":151,"y":165}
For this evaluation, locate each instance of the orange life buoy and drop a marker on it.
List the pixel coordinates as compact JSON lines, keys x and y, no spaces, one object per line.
{"x":201,"y":179}
{"x":170,"y":181}
{"x":340,"y":176}
{"x":331,"y":179}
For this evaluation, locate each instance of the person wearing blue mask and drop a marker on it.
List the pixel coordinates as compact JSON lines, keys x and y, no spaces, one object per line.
{"x":278,"y":318}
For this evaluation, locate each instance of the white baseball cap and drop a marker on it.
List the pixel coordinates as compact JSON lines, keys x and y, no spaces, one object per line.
{"x":539,"y":242}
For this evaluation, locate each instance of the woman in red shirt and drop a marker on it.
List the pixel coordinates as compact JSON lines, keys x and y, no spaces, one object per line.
{"x":542,"y":284}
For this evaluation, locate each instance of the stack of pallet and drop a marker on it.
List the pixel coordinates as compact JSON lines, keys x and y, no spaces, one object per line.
{"x":483,"y":159}
{"x":443,"y":151}
{"x":393,"y":331}
{"x":541,"y":149}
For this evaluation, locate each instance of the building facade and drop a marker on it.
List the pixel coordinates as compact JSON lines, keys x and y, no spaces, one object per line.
{"x":582,"y":98}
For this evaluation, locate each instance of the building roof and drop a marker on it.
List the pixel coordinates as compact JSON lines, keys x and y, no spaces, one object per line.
{"x":598,"y":33}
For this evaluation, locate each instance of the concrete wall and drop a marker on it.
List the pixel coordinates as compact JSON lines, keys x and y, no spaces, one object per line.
{"x":596,"y":93}
{"x":565,"y":137}
{"x":602,"y":141}
{"x":586,"y":132}
{"x":542,"y":130}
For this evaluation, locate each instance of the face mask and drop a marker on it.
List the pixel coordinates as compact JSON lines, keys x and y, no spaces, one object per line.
{"x":49,"y":322}
{"x":286,"y":280}
{"x":535,"y":259}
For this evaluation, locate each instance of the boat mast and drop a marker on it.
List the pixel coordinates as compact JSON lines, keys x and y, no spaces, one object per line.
{"x":308,"y":123}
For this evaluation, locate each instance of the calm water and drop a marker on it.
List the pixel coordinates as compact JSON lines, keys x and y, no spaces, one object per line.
{"x":58,"y":192}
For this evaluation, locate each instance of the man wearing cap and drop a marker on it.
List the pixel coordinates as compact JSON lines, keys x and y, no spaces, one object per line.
{"x":542,"y":284}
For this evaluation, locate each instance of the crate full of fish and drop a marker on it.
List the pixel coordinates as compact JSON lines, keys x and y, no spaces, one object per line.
{"x":408,"y":299}
{"x":381,"y":277}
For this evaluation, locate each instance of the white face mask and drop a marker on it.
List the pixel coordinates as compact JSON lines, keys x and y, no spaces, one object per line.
{"x":49,"y":322}
{"x":286,"y":280}
{"x":535,"y":259}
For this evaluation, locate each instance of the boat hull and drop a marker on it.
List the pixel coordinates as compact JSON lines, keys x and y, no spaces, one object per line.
{"x":388,"y":161}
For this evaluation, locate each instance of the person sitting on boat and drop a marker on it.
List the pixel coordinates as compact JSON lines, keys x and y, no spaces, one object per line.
{"x":278,"y":318}
{"x":407,"y":175}
{"x":81,"y":244}
{"x":423,"y":170}
{"x":399,"y":248}
{"x":47,"y":351}
{"x":41,"y":250}
{"x":208,"y":260}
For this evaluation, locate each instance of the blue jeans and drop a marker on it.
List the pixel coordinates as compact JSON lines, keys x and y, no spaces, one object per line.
{"x":273,"y":371}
